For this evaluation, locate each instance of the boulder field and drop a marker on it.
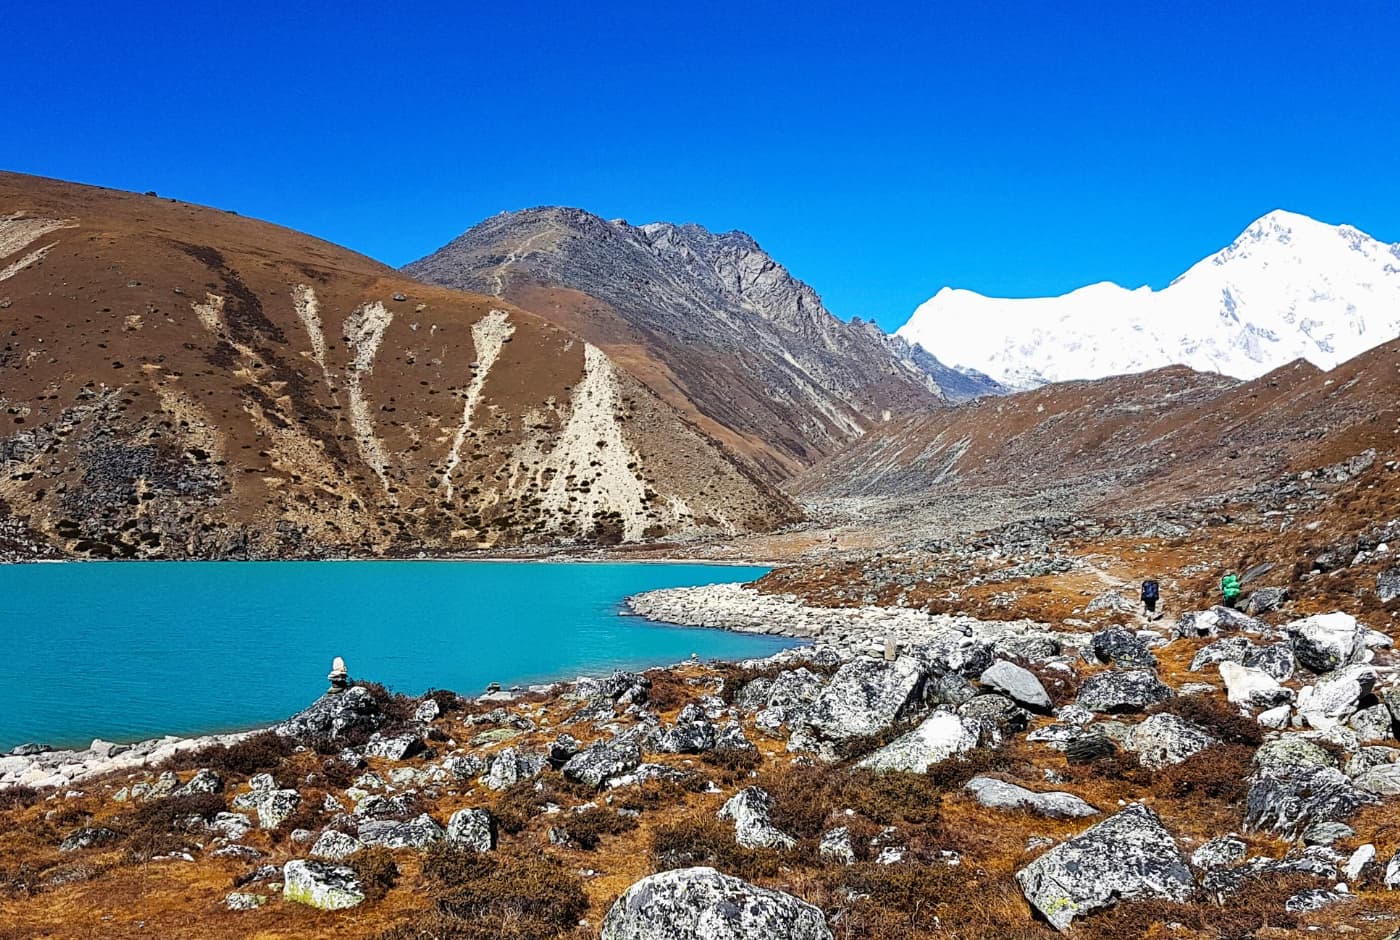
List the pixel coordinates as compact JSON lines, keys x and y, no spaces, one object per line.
{"x":971,"y":772}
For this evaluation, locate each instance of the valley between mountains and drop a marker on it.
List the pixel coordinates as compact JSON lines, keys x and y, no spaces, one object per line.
{"x":985,"y":732}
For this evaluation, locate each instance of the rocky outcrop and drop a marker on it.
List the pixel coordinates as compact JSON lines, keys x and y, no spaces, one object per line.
{"x":1126,"y":691}
{"x":1164,"y":739}
{"x":1326,"y":642}
{"x":864,"y":697}
{"x":702,"y":904}
{"x":1287,"y":801}
{"x":1128,"y":856}
{"x":595,"y":764}
{"x":333,"y":716}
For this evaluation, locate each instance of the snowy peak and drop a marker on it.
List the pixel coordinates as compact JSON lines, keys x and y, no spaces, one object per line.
{"x":1289,"y":287}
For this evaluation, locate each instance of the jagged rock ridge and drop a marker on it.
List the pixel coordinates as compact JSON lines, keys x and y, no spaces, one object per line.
{"x":709,"y":321}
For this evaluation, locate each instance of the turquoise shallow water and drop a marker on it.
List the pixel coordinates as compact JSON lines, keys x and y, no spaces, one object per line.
{"x":125,"y":651}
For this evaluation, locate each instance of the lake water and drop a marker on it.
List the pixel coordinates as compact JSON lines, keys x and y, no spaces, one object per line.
{"x":126,"y":651}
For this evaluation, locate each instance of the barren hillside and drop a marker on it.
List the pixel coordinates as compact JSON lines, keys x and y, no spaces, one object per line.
{"x":177,"y":381}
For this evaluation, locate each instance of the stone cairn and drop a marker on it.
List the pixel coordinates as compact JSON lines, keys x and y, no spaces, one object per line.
{"x":339,"y":677}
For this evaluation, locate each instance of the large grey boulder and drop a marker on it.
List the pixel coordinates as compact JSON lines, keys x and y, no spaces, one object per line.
{"x":1230,"y":649}
{"x":1126,"y":691}
{"x":689,"y":735}
{"x":333,"y":716}
{"x":395,"y":747}
{"x":937,"y":738}
{"x":751,"y":812}
{"x":1164,"y":739}
{"x":1276,"y":659}
{"x":596,"y":763}
{"x":418,"y":833}
{"x":1265,"y":599}
{"x":1290,"y":752}
{"x":702,"y":904}
{"x":954,"y":653}
{"x":87,"y":837}
{"x":1127,"y":857}
{"x":321,"y":885}
{"x":794,"y":687}
{"x":335,"y":846}
{"x":473,"y":828}
{"x":1336,"y":696}
{"x":509,"y":766}
{"x":1020,"y":684}
{"x":1325,"y":642}
{"x":1122,"y":646}
{"x":1382,"y":781}
{"x":864,"y":697}
{"x":998,"y":794}
{"x":1287,"y":802}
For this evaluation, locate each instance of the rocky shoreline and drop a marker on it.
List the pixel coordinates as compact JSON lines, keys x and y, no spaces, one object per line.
{"x":65,"y":768}
{"x":850,"y":631}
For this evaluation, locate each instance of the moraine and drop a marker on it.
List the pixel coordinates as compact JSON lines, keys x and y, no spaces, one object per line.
{"x":132,"y":651}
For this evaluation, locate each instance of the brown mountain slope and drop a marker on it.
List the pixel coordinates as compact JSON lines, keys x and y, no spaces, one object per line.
{"x":1129,"y":441}
{"x":182,"y":382}
{"x":709,"y":321}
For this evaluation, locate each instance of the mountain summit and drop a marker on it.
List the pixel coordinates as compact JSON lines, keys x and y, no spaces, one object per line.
{"x":710,"y":322}
{"x":1290,"y":287}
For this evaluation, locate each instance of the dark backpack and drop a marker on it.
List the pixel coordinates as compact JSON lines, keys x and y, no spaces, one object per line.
{"x":1149,"y":590}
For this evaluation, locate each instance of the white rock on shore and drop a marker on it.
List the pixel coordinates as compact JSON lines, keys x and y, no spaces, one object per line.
{"x":66,"y":768}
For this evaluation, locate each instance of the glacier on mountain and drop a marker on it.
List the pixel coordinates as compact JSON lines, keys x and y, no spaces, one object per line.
{"x":1289,"y":287}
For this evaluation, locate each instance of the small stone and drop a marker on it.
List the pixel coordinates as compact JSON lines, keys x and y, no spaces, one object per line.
{"x":473,"y":828}
{"x":244,"y":901}
{"x":336,"y":846}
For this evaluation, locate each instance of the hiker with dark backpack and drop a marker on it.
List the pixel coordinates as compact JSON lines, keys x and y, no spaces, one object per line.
{"x":1149,"y":596}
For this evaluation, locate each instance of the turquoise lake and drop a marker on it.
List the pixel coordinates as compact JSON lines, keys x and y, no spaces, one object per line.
{"x":127,"y":651}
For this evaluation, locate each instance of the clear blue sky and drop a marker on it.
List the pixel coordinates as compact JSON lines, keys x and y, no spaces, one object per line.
{"x":880,"y":151}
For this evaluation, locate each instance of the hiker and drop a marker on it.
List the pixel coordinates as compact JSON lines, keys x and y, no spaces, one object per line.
{"x":1149,"y":596}
{"x":1230,"y":589}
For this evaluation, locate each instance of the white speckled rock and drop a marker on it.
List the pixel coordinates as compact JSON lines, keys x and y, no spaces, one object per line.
{"x":323,"y":886}
{"x":702,"y":904}
{"x":1128,"y":856}
{"x":939,"y":737}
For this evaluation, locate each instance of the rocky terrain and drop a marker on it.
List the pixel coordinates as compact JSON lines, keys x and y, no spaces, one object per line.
{"x":1085,"y":769}
{"x":180,"y":382}
{"x":1147,"y":444}
{"x":710,"y":322}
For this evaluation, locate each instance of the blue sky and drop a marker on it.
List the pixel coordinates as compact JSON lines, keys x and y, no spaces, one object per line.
{"x":880,"y":151}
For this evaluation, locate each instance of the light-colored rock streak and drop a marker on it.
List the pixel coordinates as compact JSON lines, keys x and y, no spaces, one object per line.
{"x":364,"y":331}
{"x":500,"y":273}
{"x":210,"y":313}
{"x":13,"y":269}
{"x":18,"y":232}
{"x":591,"y":449}
{"x":488,"y":336}
{"x":308,"y":312}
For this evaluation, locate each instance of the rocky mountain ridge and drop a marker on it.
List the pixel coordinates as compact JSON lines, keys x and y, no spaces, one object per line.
{"x":709,"y":321}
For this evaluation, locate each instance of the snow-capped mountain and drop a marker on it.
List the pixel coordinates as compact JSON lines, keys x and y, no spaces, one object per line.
{"x":1289,"y":287}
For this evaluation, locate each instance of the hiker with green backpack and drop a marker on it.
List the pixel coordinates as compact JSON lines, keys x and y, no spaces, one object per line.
{"x":1230,"y":589}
